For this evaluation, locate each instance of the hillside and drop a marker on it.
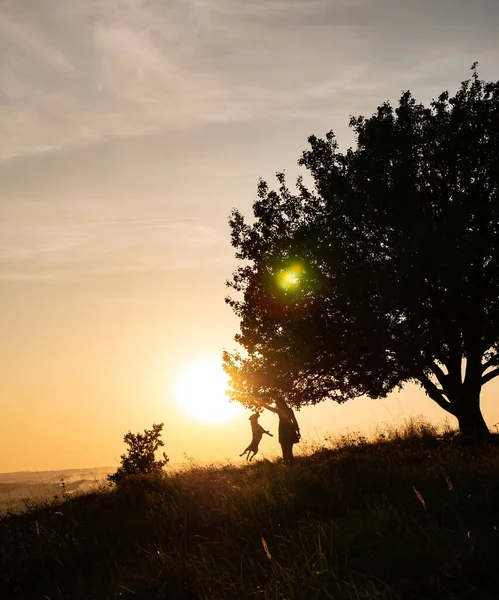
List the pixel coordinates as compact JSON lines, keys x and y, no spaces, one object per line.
{"x":409,"y":515}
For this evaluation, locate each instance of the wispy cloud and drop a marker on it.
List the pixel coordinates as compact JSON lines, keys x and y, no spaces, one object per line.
{"x":60,"y":251}
{"x":76,"y":72}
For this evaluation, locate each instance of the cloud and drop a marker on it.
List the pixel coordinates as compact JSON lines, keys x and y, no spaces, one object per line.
{"x":56,"y":251}
{"x":74,"y":73}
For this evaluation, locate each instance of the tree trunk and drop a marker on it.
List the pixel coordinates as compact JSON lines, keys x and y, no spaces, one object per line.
{"x":470,"y":418}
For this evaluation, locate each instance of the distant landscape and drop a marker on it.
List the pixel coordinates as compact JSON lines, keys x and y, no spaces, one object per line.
{"x":22,"y":488}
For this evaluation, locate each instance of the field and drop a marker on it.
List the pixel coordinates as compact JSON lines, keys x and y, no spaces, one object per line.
{"x":411,"y":514}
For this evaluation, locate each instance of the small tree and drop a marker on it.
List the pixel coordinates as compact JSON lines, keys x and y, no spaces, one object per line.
{"x":140,"y":458}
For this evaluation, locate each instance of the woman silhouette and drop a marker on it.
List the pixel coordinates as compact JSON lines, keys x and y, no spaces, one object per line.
{"x":289,"y":432}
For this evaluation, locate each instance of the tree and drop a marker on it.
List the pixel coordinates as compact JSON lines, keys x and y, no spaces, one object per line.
{"x":385,"y":270}
{"x":140,"y":457}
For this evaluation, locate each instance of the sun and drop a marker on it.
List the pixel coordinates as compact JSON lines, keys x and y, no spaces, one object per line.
{"x":200,"y":392}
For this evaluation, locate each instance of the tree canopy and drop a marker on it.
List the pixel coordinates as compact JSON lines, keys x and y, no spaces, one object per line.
{"x":385,"y":269}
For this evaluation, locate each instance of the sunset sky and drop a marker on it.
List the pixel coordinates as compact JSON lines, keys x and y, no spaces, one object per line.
{"x":129,"y":129}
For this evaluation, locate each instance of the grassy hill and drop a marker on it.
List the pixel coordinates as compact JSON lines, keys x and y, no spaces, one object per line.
{"x":410,"y":515}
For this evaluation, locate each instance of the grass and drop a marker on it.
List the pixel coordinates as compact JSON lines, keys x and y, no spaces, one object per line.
{"x":408,"y":515}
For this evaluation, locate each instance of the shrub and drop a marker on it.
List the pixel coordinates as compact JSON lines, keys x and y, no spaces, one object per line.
{"x":140,"y":458}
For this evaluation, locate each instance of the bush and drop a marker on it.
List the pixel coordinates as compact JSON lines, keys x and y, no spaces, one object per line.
{"x":140,"y":458}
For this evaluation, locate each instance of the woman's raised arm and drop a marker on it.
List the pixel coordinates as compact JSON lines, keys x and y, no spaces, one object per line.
{"x":271,"y":408}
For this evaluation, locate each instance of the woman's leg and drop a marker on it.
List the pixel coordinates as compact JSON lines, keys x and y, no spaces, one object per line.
{"x":283,"y":448}
{"x":287,"y":453}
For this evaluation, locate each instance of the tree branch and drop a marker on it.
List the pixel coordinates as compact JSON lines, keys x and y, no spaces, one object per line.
{"x":439,"y":374}
{"x":436,"y":394}
{"x":490,"y":375}
{"x":492,"y":362}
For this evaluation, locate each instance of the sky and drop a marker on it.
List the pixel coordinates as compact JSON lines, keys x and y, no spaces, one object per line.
{"x":130,"y":129}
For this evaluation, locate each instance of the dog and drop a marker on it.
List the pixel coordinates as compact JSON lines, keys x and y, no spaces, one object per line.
{"x":257,"y":431}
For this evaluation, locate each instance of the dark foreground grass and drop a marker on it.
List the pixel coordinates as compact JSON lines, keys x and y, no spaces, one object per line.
{"x":406,"y":516}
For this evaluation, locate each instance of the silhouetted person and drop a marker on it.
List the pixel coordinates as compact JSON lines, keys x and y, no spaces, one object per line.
{"x":257,"y":431}
{"x":289,"y":432}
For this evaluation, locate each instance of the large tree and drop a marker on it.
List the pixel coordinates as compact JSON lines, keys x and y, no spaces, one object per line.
{"x":385,"y":269}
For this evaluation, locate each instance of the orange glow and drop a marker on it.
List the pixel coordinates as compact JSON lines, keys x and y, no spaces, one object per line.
{"x":200,"y":391}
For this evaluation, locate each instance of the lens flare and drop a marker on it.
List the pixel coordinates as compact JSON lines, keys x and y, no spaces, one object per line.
{"x":289,"y":279}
